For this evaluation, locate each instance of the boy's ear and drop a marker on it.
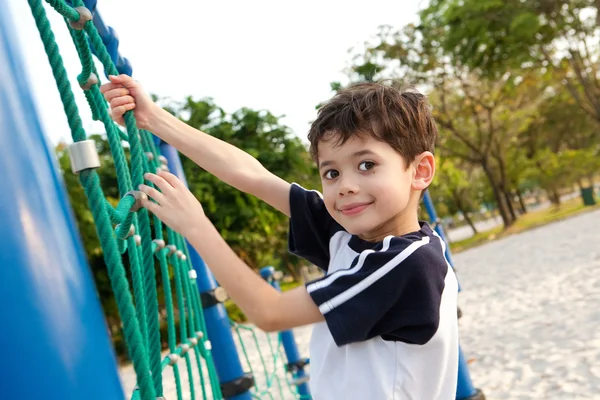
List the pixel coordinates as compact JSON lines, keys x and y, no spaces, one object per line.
{"x":424,"y":167}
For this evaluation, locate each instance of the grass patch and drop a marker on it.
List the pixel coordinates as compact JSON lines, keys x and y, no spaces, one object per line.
{"x":525,"y":222}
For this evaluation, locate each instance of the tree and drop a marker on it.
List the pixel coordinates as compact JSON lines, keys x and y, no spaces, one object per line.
{"x":459,"y":187}
{"x":255,"y":231}
{"x":549,"y":35}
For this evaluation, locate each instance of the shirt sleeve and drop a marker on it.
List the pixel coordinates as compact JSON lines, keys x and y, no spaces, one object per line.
{"x":311,"y":226}
{"x":393,"y":291}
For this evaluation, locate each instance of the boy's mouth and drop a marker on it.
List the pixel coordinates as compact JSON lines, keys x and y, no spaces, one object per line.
{"x":353,"y":208}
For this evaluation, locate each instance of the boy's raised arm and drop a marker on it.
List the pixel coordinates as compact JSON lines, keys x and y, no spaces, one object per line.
{"x":228,"y":163}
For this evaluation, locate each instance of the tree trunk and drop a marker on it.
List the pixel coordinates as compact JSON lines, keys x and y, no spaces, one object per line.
{"x":462,"y":209}
{"x":509,"y":203}
{"x":554,"y":197}
{"x":470,"y":222}
{"x":521,"y":202}
{"x":507,"y":219}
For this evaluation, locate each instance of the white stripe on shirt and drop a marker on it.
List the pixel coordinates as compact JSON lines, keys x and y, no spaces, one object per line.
{"x":361,"y":260}
{"x":371,"y":279}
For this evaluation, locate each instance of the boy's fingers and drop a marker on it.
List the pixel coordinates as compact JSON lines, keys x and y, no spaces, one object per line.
{"x":116,"y":92}
{"x":120,"y":101}
{"x":118,"y":112}
{"x":153,"y":194}
{"x":162,"y":184}
{"x":169,"y":177}
{"x":150,"y":206}
{"x":124,"y":80}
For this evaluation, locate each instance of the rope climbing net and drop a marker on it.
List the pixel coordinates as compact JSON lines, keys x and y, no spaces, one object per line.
{"x":132,"y":231}
{"x":127,"y":230}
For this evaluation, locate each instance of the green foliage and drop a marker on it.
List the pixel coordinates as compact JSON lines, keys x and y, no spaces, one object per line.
{"x":256,"y":231}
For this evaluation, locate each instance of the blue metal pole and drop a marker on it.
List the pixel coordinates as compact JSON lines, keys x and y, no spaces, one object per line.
{"x":437,"y":225}
{"x":465,"y":389}
{"x":295,"y":362}
{"x":227,"y":362}
{"x":55,"y":340}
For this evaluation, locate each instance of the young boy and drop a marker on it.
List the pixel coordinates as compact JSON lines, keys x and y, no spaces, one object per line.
{"x":384,"y":316}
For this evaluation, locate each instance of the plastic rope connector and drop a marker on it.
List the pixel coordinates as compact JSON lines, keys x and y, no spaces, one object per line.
{"x":185,"y":348}
{"x":84,"y":16}
{"x":138,"y":240}
{"x":193,"y":341}
{"x":199,"y":334}
{"x":172,"y":249}
{"x":149,"y":155}
{"x":139,"y":197}
{"x":208,"y":345}
{"x":163,"y":160}
{"x":179,"y":254}
{"x":192,"y":274}
{"x":130,"y":233}
{"x":83,"y":155}
{"x":160,"y":244}
{"x":92,"y":80}
{"x":173,"y":359}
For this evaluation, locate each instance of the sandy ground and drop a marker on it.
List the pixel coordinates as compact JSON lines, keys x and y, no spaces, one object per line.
{"x":531,"y":317}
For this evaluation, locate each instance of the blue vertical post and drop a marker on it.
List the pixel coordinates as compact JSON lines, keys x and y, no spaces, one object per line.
{"x":437,"y":225}
{"x":55,"y":340}
{"x":295,"y":362}
{"x":465,"y":389}
{"x":234,"y":383}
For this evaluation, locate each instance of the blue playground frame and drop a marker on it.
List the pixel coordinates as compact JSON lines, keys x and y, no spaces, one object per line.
{"x":54,"y":334}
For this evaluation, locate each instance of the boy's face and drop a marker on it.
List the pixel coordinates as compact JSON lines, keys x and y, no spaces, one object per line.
{"x":368,"y":189}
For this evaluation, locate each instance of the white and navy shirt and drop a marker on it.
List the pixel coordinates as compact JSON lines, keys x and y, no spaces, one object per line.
{"x":390,"y":329}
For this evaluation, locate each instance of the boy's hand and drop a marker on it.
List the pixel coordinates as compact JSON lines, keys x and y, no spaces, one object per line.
{"x":125,"y":94}
{"x":175,"y":205}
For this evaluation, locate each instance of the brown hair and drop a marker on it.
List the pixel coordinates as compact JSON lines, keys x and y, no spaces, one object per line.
{"x":395,"y":115}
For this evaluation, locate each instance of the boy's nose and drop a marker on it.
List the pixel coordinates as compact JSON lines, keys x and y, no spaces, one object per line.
{"x":347,"y":185}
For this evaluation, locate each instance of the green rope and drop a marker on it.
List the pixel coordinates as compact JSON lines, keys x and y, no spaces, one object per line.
{"x":137,"y":303}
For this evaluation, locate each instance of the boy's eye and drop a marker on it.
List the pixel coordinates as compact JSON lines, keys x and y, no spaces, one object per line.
{"x":331,"y":174}
{"x":366,"y":165}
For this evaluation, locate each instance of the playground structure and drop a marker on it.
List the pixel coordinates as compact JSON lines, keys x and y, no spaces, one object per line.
{"x":57,"y":333}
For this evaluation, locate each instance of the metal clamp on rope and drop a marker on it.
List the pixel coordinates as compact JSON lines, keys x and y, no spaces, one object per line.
{"x":213,"y":297}
{"x":160,"y":244}
{"x":184,"y":348}
{"x":83,"y":155}
{"x":84,"y":16}
{"x":173,"y":358}
{"x":172,"y":249}
{"x":91,"y":81}
{"x":122,"y":235}
{"x":139,"y":197}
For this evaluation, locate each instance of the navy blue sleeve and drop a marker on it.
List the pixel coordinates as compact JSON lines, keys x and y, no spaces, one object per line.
{"x":311,"y":226}
{"x":393,"y":291}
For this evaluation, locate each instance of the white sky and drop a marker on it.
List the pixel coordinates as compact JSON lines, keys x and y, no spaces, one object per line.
{"x":263,"y":54}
